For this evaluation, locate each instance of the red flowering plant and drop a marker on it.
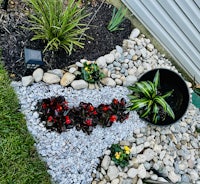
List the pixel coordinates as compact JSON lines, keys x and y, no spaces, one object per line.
{"x":116,"y":111}
{"x":58,"y":116}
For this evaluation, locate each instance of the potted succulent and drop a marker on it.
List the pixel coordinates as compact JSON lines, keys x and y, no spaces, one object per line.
{"x":160,"y":97}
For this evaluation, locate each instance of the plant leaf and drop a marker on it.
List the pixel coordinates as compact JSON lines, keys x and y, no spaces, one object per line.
{"x":168,"y":94}
{"x":139,"y":103}
{"x":156,"y":80}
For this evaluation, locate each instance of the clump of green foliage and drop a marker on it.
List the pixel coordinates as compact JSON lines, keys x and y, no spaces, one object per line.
{"x":91,"y":72}
{"x":119,"y":155}
{"x":57,"y":25}
{"x":147,"y":100}
{"x":117,"y":19}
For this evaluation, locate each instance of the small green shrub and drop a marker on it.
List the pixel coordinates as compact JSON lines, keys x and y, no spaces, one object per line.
{"x":148,"y":101}
{"x":91,"y":73}
{"x":57,"y":25}
{"x":120,"y":155}
{"x":116,"y":20}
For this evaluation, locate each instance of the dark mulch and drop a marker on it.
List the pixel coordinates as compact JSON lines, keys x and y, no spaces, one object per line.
{"x":14,"y":38}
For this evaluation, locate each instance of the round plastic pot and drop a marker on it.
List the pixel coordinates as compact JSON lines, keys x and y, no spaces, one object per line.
{"x":178,"y":101}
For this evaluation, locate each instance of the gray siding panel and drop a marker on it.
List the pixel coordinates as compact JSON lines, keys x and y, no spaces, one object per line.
{"x":175,"y":23}
{"x":197,"y":2}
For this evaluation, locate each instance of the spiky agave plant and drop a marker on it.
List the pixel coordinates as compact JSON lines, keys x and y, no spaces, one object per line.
{"x":148,"y":101}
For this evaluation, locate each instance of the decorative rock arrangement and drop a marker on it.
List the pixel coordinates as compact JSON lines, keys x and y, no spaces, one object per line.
{"x":173,"y":152}
{"x":122,"y":66}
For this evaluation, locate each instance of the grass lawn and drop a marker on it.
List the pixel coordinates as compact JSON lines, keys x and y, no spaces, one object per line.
{"x":19,"y":161}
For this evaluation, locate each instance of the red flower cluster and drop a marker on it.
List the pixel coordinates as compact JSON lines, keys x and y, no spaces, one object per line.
{"x":58,"y":116}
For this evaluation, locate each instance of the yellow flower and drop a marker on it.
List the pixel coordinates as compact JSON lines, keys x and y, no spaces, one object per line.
{"x":127,"y":149}
{"x":117,"y":155}
{"x":86,"y":68}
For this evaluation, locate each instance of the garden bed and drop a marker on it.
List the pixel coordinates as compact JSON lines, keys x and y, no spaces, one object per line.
{"x":14,"y":38}
{"x":75,"y":157}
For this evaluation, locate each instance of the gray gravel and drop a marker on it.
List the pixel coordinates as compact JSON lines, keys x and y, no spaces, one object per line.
{"x":72,"y":156}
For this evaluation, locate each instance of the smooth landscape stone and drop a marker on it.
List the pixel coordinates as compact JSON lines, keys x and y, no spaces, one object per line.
{"x":150,"y":47}
{"x":57,"y":72}
{"x":113,"y":172}
{"x":132,"y":173}
{"x":115,"y":181}
{"x":135,"y":57}
{"x":134,"y":34}
{"x":72,"y":70}
{"x":118,"y":81}
{"x":109,"y":58}
{"x":149,"y":153}
{"x":106,"y":162}
{"x":67,"y":79}
{"x":79,"y":84}
{"x":174,"y":177}
{"x":50,"y":78}
{"x":79,"y":64}
{"x":27,"y":80}
{"x":91,"y":86}
{"x":101,"y":62}
{"x":108,"y":82}
{"x":141,"y":171}
{"x":105,"y":71}
{"x":130,"y":80}
{"x":38,"y":74}
{"x":119,"y":49}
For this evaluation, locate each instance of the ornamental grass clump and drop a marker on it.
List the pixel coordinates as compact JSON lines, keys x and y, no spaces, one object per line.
{"x":117,"y":19}
{"x":57,"y":25}
{"x":148,"y":101}
{"x":91,"y":72}
{"x":120,"y":155}
{"x":58,"y":116}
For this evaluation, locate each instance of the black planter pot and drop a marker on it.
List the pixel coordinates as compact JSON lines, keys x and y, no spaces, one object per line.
{"x":180,"y":98}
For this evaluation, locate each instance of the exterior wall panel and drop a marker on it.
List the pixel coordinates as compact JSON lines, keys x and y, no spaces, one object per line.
{"x":175,"y":23}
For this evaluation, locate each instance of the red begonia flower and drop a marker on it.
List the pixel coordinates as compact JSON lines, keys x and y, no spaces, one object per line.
{"x":88,"y":122}
{"x":67,"y":120}
{"x":115,"y":101}
{"x":50,"y":118}
{"x":113,"y":118}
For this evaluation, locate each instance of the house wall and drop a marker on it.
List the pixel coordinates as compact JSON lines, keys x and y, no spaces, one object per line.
{"x":176,"y":25}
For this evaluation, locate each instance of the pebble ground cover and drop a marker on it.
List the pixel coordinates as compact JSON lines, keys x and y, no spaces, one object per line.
{"x":74,"y":157}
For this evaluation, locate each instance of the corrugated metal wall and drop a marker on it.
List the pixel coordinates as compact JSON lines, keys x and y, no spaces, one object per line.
{"x":176,"y":25}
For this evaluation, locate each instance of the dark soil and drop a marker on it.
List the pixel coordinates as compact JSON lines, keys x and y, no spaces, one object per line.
{"x":14,"y":38}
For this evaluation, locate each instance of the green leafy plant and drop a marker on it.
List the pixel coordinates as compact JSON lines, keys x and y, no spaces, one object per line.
{"x":120,"y":155}
{"x":58,"y":25}
{"x":91,"y":73}
{"x":58,"y":116}
{"x":117,"y":19}
{"x":148,"y":101}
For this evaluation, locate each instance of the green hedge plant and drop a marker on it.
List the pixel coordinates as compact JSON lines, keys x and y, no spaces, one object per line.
{"x":148,"y":101}
{"x":58,"y":25}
